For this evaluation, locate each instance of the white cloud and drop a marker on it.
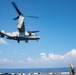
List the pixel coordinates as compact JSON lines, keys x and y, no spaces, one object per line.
{"x":72,"y":53}
{"x":55,"y":60}
{"x":5,"y":60}
{"x":43,"y":57}
{"x":2,"y":41}
{"x":30,"y":60}
{"x":46,"y":60}
{"x":22,"y":62}
{"x":42,"y":54}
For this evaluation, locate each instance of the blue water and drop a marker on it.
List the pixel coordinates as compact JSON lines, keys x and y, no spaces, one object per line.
{"x":38,"y":70}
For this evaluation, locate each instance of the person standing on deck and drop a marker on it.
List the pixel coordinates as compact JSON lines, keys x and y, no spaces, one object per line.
{"x":72,"y":69}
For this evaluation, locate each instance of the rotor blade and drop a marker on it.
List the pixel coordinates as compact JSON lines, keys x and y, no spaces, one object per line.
{"x":32,"y":31}
{"x":32,"y":16}
{"x":13,"y":3}
{"x":16,"y":18}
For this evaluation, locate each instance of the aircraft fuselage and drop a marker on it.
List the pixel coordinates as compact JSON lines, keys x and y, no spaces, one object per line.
{"x":22,"y":36}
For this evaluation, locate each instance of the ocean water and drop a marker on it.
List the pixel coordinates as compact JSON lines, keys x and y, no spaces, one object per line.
{"x":35,"y":70}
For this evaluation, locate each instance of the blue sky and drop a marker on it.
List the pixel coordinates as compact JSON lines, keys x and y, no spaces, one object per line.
{"x":57,"y":26}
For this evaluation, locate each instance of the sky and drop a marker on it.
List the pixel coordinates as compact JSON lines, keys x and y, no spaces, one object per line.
{"x":57,"y":26}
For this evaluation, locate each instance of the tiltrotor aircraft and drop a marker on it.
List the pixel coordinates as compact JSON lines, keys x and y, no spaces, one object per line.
{"x":21,"y":34}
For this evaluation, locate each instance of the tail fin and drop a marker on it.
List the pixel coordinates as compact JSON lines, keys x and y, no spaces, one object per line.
{"x":1,"y":35}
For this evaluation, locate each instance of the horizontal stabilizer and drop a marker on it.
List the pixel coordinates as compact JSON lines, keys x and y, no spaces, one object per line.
{"x":32,"y":31}
{"x":32,"y":16}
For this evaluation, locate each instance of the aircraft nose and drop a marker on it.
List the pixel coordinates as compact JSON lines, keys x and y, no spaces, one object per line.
{"x":38,"y":37}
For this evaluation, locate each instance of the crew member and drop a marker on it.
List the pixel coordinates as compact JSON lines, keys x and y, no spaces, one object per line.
{"x":72,"y":69}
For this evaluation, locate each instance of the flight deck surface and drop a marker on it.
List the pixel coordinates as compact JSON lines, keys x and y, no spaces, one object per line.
{"x":50,"y":73}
